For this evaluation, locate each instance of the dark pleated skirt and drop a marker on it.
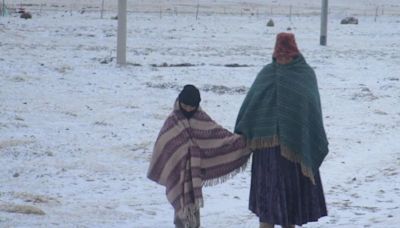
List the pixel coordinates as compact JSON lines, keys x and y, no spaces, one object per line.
{"x":280,"y":194}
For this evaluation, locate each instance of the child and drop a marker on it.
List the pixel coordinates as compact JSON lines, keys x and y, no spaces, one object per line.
{"x":192,"y":150}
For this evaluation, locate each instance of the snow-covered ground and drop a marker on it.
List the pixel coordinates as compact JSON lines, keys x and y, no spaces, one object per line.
{"x":76,"y":130}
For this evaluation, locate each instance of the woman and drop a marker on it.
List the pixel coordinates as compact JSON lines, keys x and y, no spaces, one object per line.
{"x":192,"y":150}
{"x":282,"y":121}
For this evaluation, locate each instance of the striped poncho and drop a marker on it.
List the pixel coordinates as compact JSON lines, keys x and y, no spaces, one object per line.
{"x":190,"y":153}
{"x":283,"y":108}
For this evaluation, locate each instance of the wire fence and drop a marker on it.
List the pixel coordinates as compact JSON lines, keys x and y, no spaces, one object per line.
{"x":197,"y":8}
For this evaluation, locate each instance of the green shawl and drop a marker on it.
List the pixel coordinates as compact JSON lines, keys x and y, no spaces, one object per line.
{"x":283,"y":108}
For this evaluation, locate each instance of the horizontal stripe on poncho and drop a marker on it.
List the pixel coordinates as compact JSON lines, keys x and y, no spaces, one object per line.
{"x":190,"y":153}
{"x":283,"y":108}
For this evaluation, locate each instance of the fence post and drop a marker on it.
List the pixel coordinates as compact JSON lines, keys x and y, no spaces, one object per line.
{"x":3,"y":9}
{"x":197,"y":10}
{"x":121,"y":39}
{"x":102,"y":9}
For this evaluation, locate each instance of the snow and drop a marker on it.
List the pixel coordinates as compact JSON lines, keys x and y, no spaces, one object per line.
{"x":76,"y":135}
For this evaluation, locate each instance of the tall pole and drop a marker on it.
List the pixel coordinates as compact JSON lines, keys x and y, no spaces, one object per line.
{"x":3,"y":9}
{"x":102,"y":9}
{"x":121,"y":40}
{"x":197,"y":9}
{"x":324,"y":23}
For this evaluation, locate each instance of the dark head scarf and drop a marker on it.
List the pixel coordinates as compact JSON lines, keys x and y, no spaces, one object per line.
{"x":190,"y":95}
{"x":285,"y":46}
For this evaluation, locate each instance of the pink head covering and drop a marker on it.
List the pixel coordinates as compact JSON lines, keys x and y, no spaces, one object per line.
{"x":285,"y":46}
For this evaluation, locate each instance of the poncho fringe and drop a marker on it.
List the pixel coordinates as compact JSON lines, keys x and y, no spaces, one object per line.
{"x":269,"y":142}
{"x":222,"y":179}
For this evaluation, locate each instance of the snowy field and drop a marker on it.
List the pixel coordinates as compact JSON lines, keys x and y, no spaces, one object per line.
{"x":76,"y":130}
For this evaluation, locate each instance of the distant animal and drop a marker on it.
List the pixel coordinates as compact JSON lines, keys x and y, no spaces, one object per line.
{"x":270,"y":23}
{"x":26,"y":15}
{"x":349,"y":20}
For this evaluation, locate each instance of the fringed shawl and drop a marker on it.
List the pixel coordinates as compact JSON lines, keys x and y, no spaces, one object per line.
{"x":191,"y":153}
{"x":283,"y":108}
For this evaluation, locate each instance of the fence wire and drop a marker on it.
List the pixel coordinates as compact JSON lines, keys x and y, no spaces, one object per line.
{"x":196,"y":7}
